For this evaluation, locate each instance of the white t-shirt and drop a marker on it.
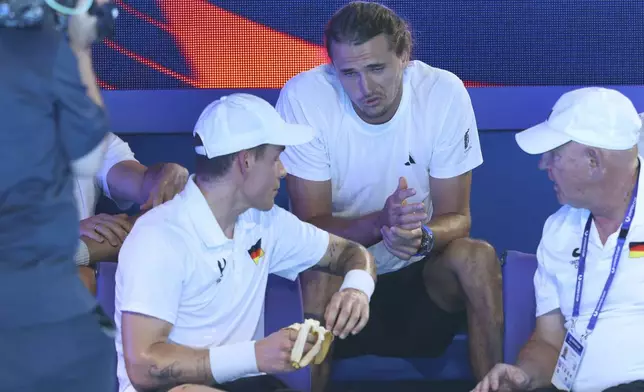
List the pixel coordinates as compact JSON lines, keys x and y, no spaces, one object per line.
{"x":614,"y":352}
{"x":433,"y":133}
{"x":177,"y":265}
{"x":88,"y":190}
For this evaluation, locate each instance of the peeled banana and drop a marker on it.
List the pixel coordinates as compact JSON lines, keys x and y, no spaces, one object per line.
{"x":319,"y":350}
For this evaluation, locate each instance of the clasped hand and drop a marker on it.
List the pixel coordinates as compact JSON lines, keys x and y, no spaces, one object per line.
{"x":401,"y":222}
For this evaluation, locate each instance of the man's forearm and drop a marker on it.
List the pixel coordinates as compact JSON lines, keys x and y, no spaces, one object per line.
{"x":449,"y":227}
{"x":364,"y":230}
{"x":354,"y":257}
{"x":166,"y":365}
{"x":538,"y":359}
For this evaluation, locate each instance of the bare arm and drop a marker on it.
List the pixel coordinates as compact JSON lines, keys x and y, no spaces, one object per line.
{"x":125,"y":180}
{"x":451,"y":200}
{"x":146,"y":186}
{"x":102,"y":251}
{"x":88,"y":77}
{"x":343,"y":256}
{"x":153,"y":363}
{"x":538,"y":357}
{"x":311,"y":202}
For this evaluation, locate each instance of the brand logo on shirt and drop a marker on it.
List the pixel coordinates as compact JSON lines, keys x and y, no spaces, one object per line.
{"x":222,"y":266}
{"x":256,"y":252}
{"x":410,"y":161}
{"x":575,"y":261}
{"x":466,"y":140}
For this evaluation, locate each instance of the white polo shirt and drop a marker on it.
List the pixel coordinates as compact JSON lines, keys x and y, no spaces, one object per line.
{"x":433,"y":133}
{"x":87,"y":191}
{"x":615,"y":350}
{"x":177,"y":265}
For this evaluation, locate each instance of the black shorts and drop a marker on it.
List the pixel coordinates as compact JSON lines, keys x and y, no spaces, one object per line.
{"x":404,"y":322}
{"x":265,"y":383}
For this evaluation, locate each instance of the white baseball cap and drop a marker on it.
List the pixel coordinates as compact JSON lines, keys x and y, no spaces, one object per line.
{"x":592,"y":116}
{"x":242,"y":121}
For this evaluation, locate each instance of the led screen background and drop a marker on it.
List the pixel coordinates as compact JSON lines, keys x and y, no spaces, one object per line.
{"x":259,"y":44}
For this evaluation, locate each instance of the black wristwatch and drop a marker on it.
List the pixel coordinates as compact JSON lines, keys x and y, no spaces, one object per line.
{"x":426,"y":242}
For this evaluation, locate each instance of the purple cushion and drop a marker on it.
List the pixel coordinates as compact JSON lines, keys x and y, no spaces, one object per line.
{"x":519,"y":303}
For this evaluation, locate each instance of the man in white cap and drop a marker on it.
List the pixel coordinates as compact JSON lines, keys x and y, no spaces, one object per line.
{"x":588,"y":284}
{"x":192,"y":274}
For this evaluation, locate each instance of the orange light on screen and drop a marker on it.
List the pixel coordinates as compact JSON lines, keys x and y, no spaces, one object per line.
{"x":225,"y":50}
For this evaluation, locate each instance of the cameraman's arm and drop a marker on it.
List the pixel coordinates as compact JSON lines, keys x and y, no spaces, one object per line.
{"x":81,"y":123}
{"x":88,"y":77}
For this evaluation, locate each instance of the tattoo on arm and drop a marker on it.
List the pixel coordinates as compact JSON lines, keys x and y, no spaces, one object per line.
{"x":343,"y":255}
{"x":169,"y":373}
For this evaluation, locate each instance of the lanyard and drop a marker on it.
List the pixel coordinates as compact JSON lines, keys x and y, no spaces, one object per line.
{"x":626,"y":226}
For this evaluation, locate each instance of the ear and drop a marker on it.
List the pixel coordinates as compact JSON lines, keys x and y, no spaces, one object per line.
{"x":245,"y":161}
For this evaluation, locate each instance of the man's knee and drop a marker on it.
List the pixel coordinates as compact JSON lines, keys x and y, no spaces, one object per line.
{"x":468,"y":255}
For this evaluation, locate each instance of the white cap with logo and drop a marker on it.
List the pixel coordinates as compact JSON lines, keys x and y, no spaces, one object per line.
{"x":592,"y":116}
{"x":243,"y":121}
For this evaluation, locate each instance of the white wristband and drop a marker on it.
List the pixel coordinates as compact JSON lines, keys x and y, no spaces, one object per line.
{"x":359,"y":280}
{"x":81,"y":257}
{"x":233,"y":361}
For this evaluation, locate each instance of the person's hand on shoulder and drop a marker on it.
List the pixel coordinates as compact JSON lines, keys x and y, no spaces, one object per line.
{"x":166,"y":180}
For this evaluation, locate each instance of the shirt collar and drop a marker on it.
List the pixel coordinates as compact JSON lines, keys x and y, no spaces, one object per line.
{"x":201,"y":215}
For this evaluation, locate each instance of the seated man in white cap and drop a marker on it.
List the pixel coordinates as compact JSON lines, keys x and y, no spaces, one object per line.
{"x":192,"y":274}
{"x":588,"y":285}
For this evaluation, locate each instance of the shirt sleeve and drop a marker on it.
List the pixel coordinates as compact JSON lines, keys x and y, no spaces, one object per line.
{"x":457,"y":148}
{"x":297,"y":245}
{"x":545,"y":285}
{"x":309,"y":161}
{"x":117,"y":151}
{"x":81,"y":123}
{"x":150,"y":273}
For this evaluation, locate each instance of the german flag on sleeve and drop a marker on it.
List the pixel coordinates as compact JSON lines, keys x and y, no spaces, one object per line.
{"x":635,"y":250}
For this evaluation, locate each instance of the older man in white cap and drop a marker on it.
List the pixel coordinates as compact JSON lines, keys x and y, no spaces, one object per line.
{"x":192,"y":273}
{"x":590,"y":276}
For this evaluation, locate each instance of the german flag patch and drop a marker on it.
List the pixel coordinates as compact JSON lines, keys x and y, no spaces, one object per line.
{"x":256,"y":252}
{"x":635,"y":250}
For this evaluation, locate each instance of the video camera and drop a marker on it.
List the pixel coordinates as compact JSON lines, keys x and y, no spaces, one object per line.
{"x":22,"y":14}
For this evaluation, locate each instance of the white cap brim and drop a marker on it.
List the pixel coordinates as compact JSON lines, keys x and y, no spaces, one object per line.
{"x":292,"y":135}
{"x":540,"y":139}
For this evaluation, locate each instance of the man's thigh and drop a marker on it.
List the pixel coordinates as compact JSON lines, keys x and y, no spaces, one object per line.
{"x":404,"y":321}
{"x":74,"y":355}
